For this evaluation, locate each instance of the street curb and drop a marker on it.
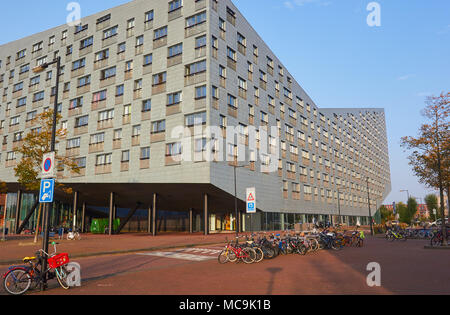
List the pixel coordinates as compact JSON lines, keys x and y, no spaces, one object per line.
{"x":7,"y":262}
{"x":437,"y":247}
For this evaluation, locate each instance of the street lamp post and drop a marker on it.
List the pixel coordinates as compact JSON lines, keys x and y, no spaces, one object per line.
{"x":48,"y":207}
{"x":407,"y":193}
{"x":235,"y":199}
{"x":368,"y":202}
{"x":4,"y":217}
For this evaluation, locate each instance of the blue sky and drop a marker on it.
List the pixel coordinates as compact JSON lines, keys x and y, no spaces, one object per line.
{"x":331,"y":51}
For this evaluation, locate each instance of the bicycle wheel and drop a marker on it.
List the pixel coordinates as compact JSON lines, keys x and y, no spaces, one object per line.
{"x":335,"y":245}
{"x":314,"y":245}
{"x":269,"y":252}
{"x":249,"y":255}
{"x":259,"y":254}
{"x":302,"y":250}
{"x":436,"y":240}
{"x":61,"y":275}
{"x":17,"y":281}
{"x":223,"y":257}
{"x":78,"y":236}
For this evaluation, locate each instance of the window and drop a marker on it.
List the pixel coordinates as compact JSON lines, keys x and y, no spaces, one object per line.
{"x":119,"y":90}
{"x":222,"y":72}
{"x":110,"y":32}
{"x":99,"y":96}
{"x":231,"y":54}
{"x":160,"y":33}
{"x":175,"y":5}
{"x":200,"y":145}
{"x":37,"y":47}
{"x":145,"y":153}
{"x":81,"y":121}
{"x":242,"y":84}
{"x":149,"y":16}
{"x":196,"y":68}
{"x":196,"y":119}
{"x":231,"y":101}
{"x":121,"y":48}
{"x":106,"y":115}
{"x":148,"y":59}
{"x":126,"y":110}
{"x":18,"y":87}
{"x":38,"y":96}
{"x":75,"y":103}
{"x":136,"y":131}
{"x":159,"y":78}
{"x":173,"y":149}
{"x":215,"y":92}
{"x":80,"y":162}
{"x":174,"y":98}
{"x":200,"y":42}
{"x":102,"y":55}
{"x":138,"y":85}
{"x":22,"y":102}
{"x":14,"y":121}
{"x":21,"y":54}
{"x":31,"y":115}
{"x":24,"y":68}
{"x":73,"y":143}
{"x":97,"y":138}
{"x":196,"y":19}
{"x":139,"y":40}
{"x":103,"y":19}
{"x":87,"y":42}
{"x":108,"y":73}
{"x":129,"y":66}
{"x":147,"y":105}
{"x":125,"y":156}
{"x":80,"y":28}
{"x":84,"y":81}
{"x":158,"y":126}
{"x":175,"y":50}
{"x":103,"y":159}
{"x":130,"y":24}
{"x":78,"y":64}
{"x":200,"y":92}
{"x":117,"y":134}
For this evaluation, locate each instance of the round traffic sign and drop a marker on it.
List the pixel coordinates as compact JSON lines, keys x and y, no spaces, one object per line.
{"x":47,"y":165}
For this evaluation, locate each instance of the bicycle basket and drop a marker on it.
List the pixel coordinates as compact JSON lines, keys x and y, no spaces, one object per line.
{"x":58,"y":260}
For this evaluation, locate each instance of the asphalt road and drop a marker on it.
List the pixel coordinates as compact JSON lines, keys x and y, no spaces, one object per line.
{"x":406,"y":268}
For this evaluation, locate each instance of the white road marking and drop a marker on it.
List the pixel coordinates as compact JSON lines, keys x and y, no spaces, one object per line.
{"x":178,"y":255}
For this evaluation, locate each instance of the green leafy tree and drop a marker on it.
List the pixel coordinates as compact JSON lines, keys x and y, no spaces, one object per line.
{"x":402,"y":210}
{"x":386,"y":215}
{"x":35,"y":145}
{"x":432,"y":203}
{"x":412,"y":208}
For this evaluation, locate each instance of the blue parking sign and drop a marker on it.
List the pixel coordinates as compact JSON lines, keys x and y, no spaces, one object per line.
{"x":47,"y":190}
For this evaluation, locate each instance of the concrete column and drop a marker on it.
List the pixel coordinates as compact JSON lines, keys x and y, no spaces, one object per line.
{"x":111,"y":210}
{"x":206,"y":226}
{"x":190,"y":221}
{"x":75,"y":206}
{"x":83,"y":217}
{"x":149,"y":221}
{"x":154,"y":215}
{"x":18,"y":208}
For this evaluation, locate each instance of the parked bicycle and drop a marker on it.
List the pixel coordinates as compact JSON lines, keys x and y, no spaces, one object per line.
{"x":399,"y":234}
{"x":74,"y":235}
{"x":20,"y":279}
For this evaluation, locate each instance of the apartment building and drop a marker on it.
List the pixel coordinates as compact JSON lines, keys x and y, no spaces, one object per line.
{"x":163,"y":100}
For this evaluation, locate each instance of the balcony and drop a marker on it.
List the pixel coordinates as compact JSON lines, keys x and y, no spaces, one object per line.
{"x":174,"y":60}
{"x":195,"y":78}
{"x":159,"y":88}
{"x":160,"y":42}
{"x":96,"y":147}
{"x":103,"y":169}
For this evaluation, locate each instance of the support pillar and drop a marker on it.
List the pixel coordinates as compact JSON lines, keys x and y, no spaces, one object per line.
{"x":206,"y":227}
{"x":190,"y":221}
{"x":18,"y":208}
{"x":149,"y":221}
{"x":83,"y":217}
{"x":154,"y":215}
{"x":75,"y":206}
{"x":111,"y":209}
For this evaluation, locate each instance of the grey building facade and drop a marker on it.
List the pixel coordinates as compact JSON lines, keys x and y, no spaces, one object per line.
{"x":162,"y":99}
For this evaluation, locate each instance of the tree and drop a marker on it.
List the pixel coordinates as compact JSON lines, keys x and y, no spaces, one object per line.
{"x":430,"y":159}
{"x":386,"y":215}
{"x":432,"y":203}
{"x":412,"y":208}
{"x":403,"y":213}
{"x":35,"y":144}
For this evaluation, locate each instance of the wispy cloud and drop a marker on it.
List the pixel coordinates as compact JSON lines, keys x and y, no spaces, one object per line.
{"x":445,"y":30}
{"x":406,"y":77}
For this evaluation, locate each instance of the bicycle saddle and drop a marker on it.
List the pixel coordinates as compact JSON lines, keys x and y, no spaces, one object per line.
{"x":27,"y":259}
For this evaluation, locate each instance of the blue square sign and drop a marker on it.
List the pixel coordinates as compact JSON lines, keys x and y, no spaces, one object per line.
{"x":47,"y":191}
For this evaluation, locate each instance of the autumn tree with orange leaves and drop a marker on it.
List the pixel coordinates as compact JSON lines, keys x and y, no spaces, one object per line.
{"x":430,"y":158}
{"x":35,"y":144}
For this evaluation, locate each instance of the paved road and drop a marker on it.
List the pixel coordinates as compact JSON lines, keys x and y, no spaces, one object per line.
{"x":406,"y":268}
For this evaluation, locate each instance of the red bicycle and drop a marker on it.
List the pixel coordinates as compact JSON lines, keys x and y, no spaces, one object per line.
{"x":234,"y":253}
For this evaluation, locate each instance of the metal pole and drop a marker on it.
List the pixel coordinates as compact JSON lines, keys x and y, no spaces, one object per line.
{"x":52,"y":149}
{"x":4,"y":217}
{"x":339,"y":207}
{"x":235,"y":203}
{"x":370,"y":213}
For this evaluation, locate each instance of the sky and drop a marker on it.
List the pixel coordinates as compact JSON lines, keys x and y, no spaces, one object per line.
{"x":332,"y":52}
